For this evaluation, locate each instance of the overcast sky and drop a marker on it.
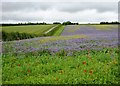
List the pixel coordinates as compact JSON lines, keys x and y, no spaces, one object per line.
{"x":59,"y":10}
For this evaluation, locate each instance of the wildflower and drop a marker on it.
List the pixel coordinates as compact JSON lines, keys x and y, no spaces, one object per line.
{"x":57,"y":79}
{"x":18,"y":64}
{"x":61,"y":71}
{"x":85,"y":71}
{"x":28,"y":64}
{"x":84,"y":62}
{"x":88,"y":56}
{"x":91,"y":72}
{"x":29,"y":70}
{"x":88,"y":50}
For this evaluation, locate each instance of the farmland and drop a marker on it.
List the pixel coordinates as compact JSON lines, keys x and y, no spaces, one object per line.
{"x":32,"y":29}
{"x":11,"y":33}
{"x":74,"y":54}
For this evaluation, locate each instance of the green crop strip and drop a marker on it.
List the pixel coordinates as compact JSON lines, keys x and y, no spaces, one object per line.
{"x":59,"y":31}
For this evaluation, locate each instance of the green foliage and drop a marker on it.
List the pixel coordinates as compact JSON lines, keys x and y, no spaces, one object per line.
{"x":56,"y":23}
{"x":53,"y":31}
{"x":110,"y":22}
{"x":69,"y":23}
{"x":30,"y":29}
{"x":20,"y":32}
{"x":82,"y":67}
{"x":16,"y":36}
{"x":59,"y":31}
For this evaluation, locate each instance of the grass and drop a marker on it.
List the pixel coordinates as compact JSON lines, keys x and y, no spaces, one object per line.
{"x":30,"y":29}
{"x":82,"y":67}
{"x":10,"y":33}
{"x":59,"y":31}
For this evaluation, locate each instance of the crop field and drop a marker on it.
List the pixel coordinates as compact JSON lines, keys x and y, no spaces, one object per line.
{"x":10,"y":33}
{"x":80,"y":54}
{"x":32,"y":29}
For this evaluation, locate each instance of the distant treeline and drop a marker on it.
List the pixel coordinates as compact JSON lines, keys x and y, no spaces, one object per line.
{"x":109,"y":22}
{"x":56,"y":23}
{"x":24,"y":24}
{"x":64,"y":23}
{"x":69,"y":23}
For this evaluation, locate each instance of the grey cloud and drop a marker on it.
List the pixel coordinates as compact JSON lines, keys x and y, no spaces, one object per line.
{"x":20,"y":17}
{"x":27,"y":11}
{"x":24,"y":6}
{"x":65,"y":7}
{"x":80,"y":6}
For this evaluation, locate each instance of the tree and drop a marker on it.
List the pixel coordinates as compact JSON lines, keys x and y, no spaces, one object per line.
{"x":67,"y":23}
{"x":56,"y":23}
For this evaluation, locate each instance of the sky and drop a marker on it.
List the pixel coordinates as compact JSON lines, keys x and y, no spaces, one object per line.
{"x":81,"y":11}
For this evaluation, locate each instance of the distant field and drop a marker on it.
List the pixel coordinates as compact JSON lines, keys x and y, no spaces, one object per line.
{"x":104,"y":27}
{"x":31,"y":29}
{"x":40,"y":29}
{"x":10,"y":33}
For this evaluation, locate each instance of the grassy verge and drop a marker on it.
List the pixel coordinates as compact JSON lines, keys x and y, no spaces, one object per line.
{"x":82,"y":67}
{"x":59,"y":31}
{"x":53,"y":31}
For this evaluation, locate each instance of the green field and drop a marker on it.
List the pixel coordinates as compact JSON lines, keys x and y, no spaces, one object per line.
{"x":31,"y":29}
{"x":59,"y":31}
{"x":10,"y":33}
